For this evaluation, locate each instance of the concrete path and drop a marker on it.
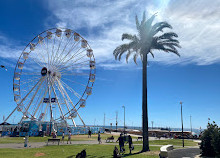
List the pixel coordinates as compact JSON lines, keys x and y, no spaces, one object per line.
{"x":184,"y":153}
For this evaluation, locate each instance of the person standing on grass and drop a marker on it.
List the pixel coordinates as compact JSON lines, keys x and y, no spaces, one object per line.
{"x":69,"y":138}
{"x":89,"y":133}
{"x":63,"y":135}
{"x":131,"y":147}
{"x":99,"y":138}
{"x":121,"y":143}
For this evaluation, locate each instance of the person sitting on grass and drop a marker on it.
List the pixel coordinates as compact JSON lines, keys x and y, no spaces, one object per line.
{"x":116,"y":153}
{"x":82,"y":154}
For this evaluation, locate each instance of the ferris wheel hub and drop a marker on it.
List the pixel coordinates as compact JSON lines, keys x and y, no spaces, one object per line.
{"x":44,"y":71}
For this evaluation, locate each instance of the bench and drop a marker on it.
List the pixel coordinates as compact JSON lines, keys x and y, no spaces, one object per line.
{"x":164,"y":150}
{"x":54,"y":140}
{"x":110,"y":138}
{"x":139,"y":138}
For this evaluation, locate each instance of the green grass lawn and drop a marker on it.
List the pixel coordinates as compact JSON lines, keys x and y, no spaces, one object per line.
{"x":99,"y":151}
{"x":175,"y":142}
{"x":5,"y":140}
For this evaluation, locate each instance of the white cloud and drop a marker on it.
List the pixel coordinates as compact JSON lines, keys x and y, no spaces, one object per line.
{"x":196,"y":22}
{"x":103,"y":22}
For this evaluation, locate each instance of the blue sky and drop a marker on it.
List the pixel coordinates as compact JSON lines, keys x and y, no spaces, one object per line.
{"x":193,"y":78}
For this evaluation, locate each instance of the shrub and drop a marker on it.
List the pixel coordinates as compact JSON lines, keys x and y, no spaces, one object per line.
{"x":210,"y":144}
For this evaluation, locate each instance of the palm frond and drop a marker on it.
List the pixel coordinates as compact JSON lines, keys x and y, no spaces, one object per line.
{"x":151,"y":53}
{"x":159,"y":27}
{"x":128,"y":55}
{"x":170,"y":40}
{"x":171,"y":43}
{"x":168,"y":35}
{"x":169,"y":50}
{"x":144,"y":18}
{"x":120,"y":50}
{"x":135,"y":57}
{"x":149,"y":22}
{"x":137,"y":23}
{"x":127,"y":36}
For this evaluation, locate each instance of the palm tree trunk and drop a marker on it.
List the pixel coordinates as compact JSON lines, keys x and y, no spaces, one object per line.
{"x":144,"y":106}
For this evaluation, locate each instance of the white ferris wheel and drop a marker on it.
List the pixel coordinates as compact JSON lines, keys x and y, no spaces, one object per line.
{"x":54,"y":76}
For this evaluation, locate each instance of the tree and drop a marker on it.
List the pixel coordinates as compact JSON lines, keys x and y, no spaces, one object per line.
{"x":210,"y":144}
{"x":141,"y":45}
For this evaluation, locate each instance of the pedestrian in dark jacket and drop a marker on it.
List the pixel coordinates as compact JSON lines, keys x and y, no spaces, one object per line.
{"x":131,"y":147}
{"x":121,"y":143}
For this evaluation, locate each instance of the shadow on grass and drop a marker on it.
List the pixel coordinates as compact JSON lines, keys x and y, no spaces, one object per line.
{"x":89,"y":156}
{"x":125,"y":155}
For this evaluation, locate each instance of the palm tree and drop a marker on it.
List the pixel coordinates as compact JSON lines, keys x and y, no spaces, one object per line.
{"x":141,"y":45}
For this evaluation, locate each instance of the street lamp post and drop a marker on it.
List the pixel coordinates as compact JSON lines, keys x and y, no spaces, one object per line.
{"x":152,"y":122}
{"x":124,"y":117}
{"x":182,"y":121}
{"x":191,"y":123}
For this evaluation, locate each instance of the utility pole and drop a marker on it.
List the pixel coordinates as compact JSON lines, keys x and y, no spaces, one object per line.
{"x":124,"y":117}
{"x":191,"y":123}
{"x":182,"y":121}
{"x":152,"y":123}
{"x":116,"y":121}
{"x":104,"y":120}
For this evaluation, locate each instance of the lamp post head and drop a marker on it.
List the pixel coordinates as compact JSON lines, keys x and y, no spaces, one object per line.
{"x":181,"y":103}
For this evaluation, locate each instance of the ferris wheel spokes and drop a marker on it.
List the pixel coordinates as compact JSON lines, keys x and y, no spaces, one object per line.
{"x":55,"y":62}
{"x":52,"y":64}
{"x":71,"y":102}
{"x":71,"y":49}
{"x":74,"y":62}
{"x":74,"y":82}
{"x":33,"y":96}
{"x":66,"y":103}
{"x":30,"y":91}
{"x":41,"y":101}
{"x":71,"y":90}
{"x":57,"y":99}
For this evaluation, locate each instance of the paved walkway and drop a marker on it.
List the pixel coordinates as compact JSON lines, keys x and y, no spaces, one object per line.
{"x":184,"y":153}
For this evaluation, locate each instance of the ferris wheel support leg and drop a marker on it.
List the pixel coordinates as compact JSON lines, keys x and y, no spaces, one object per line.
{"x":61,"y":111}
{"x":72,"y":103}
{"x":51,"y":110}
{"x":81,"y":119}
{"x":10,"y":114}
{"x":60,"y":89}
{"x":45,"y":111}
{"x":30,"y":92}
{"x":40,"y":102}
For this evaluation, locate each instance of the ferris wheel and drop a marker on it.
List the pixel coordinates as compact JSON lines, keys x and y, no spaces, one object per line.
{"x":54,"y":76}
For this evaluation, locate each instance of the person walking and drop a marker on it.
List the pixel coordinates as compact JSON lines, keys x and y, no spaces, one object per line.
{"x":63,"y":135}
{"x":121,"y":143}
{"x":99,"y":138}
{"x":89,"y":133}
{"x":69,"y":138}
{"x":131,"y":147}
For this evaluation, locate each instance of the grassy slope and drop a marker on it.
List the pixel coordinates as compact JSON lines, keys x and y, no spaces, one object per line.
{"x":71,"y":151}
